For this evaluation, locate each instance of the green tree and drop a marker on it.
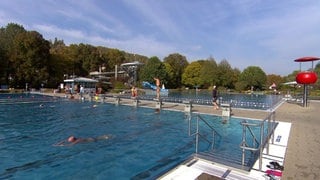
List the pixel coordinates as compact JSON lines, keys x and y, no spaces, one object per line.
{"x":58,"y":62}
{"x":153,"y":68}
{"x":191,"y":75}
{"x":3,"y":68}
{"x":83,"y":59}
{"x":235,"y":77}
{"x":57,"y":69}
{"x":177,"y":64}
{"x":7,"y":36}
{"x":57,"y":46}
{"x":292,"y":76}
{"x":209,"y":72}
{"x":89,"y":57}
{"x":170,"y":73}
{"x":225,"y":74}
{"x":254,"y":77}
{"x":114,"y":57}
{"x":129,"y":57}
{"x":317,"y":70}
{"x":70,"y":55}
{"x":273,"y":78}
{"x":31,"y":59}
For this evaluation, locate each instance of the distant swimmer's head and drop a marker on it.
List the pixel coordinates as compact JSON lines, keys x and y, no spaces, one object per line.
{"x":157,"y":111}
{"x":72,"y":139}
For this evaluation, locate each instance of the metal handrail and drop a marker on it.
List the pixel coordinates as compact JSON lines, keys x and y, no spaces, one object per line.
{"x":197,"y":133}
{"x":263,"y":141}
{"x":211,"y":127}
{"x":252,"y":134}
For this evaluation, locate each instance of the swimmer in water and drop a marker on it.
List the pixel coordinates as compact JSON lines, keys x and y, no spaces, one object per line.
{"x":157,"y":111}
{"x":72,"y":140}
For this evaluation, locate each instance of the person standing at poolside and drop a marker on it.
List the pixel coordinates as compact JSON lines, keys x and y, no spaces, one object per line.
{"x":214,"y":98}
{"x":158,"y":87}
{"x":81,"y":90}
{"x":134,"y":92}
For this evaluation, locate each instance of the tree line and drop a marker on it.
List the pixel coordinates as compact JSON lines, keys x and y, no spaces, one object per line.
{"x":26,"y":57}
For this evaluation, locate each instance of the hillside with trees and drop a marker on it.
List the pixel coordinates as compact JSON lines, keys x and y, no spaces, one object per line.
{"x":26,"y":57}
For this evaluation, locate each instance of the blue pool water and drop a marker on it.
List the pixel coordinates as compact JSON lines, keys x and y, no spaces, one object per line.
{"x":142,"y":144}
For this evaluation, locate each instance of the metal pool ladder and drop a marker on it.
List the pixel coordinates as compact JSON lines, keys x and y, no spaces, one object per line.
{"x":258,"y":146}
{"x":199,"y":135}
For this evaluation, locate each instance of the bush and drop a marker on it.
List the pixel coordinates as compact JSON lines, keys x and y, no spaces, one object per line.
{"x":118,"y":87}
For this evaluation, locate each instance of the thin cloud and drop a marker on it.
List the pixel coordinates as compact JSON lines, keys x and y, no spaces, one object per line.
{"x":139,"y":44}
{"x":93,"y":18}
{"x":156,"y":15}
{"x":247,"y":32}
{"x":290,"y":33}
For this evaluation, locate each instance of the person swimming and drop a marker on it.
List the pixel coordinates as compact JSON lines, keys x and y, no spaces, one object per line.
{"x":72,"y":140}
{"x":157,"y":111}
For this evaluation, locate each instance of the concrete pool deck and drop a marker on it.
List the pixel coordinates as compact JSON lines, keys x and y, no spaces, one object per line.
{"x":302,"y":159}
{"x":202,"y":169}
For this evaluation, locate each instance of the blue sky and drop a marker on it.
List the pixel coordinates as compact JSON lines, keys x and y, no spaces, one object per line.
{"x":265,"y":33}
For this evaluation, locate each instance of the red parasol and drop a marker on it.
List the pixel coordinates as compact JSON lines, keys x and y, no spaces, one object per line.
{"x":306,"y":59}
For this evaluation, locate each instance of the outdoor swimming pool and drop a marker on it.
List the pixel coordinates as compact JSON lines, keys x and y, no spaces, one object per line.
{"x":204,"y":97}
{"x":142,"y":144}
{"x":247,"y":101}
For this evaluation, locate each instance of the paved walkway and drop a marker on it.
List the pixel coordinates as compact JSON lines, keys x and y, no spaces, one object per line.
{"x":303,"y":150}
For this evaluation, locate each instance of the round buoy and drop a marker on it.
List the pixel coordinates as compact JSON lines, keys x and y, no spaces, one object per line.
{"x":306,"y":77}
